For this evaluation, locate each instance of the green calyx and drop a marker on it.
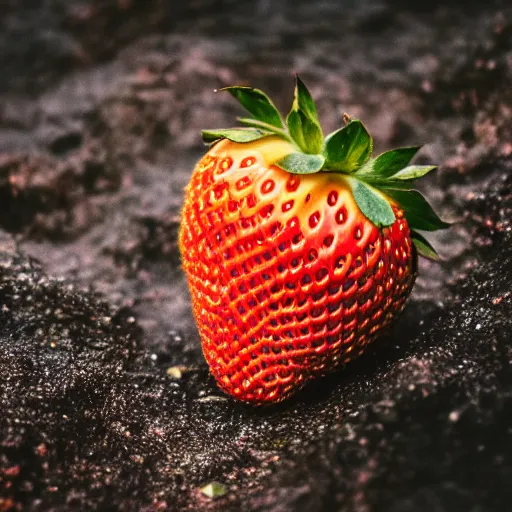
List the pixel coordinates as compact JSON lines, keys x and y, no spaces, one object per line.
{"x":347,"y":151}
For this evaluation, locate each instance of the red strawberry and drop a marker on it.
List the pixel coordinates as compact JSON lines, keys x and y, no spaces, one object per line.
{"x":298,"y":251}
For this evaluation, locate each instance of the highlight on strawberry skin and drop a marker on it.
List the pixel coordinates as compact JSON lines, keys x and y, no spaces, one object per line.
{"x":299,"y":248}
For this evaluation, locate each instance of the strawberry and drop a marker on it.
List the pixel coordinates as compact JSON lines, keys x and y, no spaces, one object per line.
{"x":298,"y":250}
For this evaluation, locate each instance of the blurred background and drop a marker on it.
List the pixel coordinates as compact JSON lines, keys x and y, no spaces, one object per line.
{"x":101,"y":107}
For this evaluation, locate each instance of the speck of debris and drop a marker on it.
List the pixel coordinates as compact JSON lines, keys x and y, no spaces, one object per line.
{"x":213,"y":398}
{"x":176,"y":372}
{"x":214,"y":490}
{"x":454,"y":416}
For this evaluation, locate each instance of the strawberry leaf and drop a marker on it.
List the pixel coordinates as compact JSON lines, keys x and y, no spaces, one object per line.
{"x":389,"y":163}
{"x":423,"y":246}
{"x":348,"y":148}
{"x":305,"y":100}
{"x":372,"y":203}
{"x":413,"y":172}
{"x":400,"y":179}
{"x":254,"y":123}
{"x":302,"y":121}
{"x":418,"y":212}
{"x":301,"y":163}
{"x":257,"y":103}
{"x":234,"y":134}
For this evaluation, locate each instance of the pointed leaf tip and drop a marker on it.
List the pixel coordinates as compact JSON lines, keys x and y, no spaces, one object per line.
{"x":257,"y":103}
{"x":302,"y":121}
{"x":399,"y":180}
{"x":424,"y":247}
{"x":389,"y":163}
{"x":417,"y":210}
{"x":348,"y":148}
{"x":305,"y":100}
{"x":413,"y":172}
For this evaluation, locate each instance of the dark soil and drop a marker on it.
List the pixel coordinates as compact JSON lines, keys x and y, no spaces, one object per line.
{"x":101,"y":104}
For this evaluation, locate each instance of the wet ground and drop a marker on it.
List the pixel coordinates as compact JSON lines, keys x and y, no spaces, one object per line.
{"x":101,"y":104}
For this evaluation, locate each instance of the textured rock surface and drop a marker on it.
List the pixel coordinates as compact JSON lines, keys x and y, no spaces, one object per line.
{"x":97,"y":139}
